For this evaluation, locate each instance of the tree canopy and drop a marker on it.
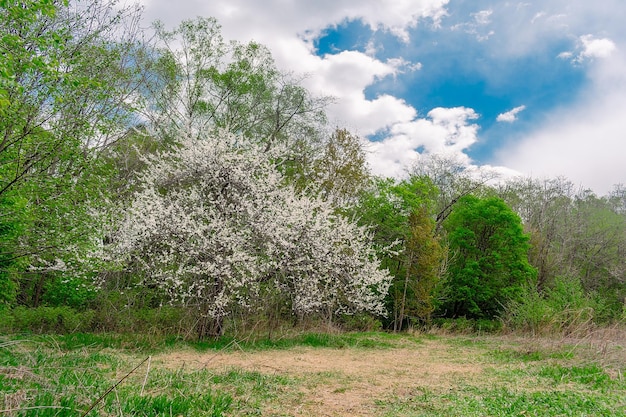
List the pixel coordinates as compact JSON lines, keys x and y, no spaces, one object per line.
{"x":489,"y":257}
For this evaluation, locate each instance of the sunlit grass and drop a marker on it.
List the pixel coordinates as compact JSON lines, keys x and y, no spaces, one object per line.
{"x":66,"y":375}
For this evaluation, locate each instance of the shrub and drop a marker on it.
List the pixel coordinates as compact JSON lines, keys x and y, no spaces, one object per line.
{"x":464,"y":325}
{"x":562,"y":308}
{"x":362,"y":322}
{"x":69,"y":291}
{"x":50,"y":320}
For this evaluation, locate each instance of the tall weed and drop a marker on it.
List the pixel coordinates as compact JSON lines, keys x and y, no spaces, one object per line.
{"x":563,"y":308}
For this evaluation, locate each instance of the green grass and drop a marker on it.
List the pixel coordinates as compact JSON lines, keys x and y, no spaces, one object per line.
{"x":521,"y":379}
{"x":591,"y":376}
{"x":65,"y":375}
{"x":152,"y":344}
{"x":505,"y":355}
{"x":41,"y":378}
{"x":472,"y":401}
{"x":366,"y":340}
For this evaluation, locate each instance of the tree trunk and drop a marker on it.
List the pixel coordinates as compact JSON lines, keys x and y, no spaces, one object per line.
{"x":407,"y":274}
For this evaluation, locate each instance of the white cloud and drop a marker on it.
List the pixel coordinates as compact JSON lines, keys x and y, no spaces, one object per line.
{"x":583,"y":142}
{"x":402,"y":65}
{"x":581,"y":138}
{"x":589,"y":48}
{"x":596,"y":48}
{"x":483,"y":17}
{"x":345,"y":77}
{"x":445,"y":131}
{"x":537,"y":16}
{"x":475,"y":26}
{"x":511,"y":115}
{"x":541,"y":24}
{"x":243,"y":19}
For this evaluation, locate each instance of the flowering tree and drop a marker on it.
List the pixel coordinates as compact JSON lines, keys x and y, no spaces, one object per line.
{"x":215,"y":225}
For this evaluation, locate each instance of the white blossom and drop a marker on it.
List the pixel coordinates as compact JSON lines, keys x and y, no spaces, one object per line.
{"x":214,"y":220}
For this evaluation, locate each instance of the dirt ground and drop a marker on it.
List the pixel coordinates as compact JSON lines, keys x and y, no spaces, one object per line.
{"x":344,"y":382}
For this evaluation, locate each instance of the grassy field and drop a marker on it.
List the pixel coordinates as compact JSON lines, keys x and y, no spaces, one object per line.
{"x":355,"y":374}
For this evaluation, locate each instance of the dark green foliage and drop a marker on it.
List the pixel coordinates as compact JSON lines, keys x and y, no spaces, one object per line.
{"x":74,"y":292}
{"x":462,"y":325}
{"x":50,"y":320}
{"x":400,"y":215}
{"x":489,"y":265}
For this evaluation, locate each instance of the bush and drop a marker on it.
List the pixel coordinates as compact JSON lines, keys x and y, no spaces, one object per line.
{"x":6,"y":320}
{"x":69,"y":291}
{"x":562,"y":308}
{"x":464,"y":325}
{"x":361,"y":322}
{"x":159,"y":321}
{"x":50,"y":320}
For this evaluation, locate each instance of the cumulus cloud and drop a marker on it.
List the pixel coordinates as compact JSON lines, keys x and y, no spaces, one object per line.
{"x":589,"y":48}
{"x":345,"y":77}
{"x":583,"y":142}
{"x":445,"y":131}
{"x":247,"y":18}
{"x":514,"y":29}
{"x":596,"y":48}
{"x":511,"y":115}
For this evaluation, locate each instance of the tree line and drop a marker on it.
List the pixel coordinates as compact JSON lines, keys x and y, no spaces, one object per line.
{"x":181,"y":179}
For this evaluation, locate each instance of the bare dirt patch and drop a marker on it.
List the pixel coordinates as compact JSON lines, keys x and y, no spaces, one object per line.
{"x":344,"y":382}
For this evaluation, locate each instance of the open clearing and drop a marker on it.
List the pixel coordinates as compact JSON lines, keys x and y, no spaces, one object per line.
{"x":387,"y":380}
{"x":356,"y":374}
{"x":345,"y":382}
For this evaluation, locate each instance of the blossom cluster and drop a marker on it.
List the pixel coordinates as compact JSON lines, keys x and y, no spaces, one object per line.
{"x":214,"y":222}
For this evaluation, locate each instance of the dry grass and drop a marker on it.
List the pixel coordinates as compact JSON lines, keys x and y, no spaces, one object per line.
{"x":348,"y":382}
{"x":343,"y":382}
{"x":364,"y":374}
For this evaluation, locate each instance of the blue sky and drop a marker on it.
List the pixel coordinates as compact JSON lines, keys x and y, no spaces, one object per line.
{"x":457,"y":71}
{"x":535,"y":87}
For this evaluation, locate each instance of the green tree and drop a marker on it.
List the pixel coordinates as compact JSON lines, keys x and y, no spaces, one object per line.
{"x":201,"y":83}
{"x":423,"y":258}
{"x":66,"y":81}
{"x":575,"y":234}
{"x":341,"y":172}
{"x":489,"y":251}
{"x":400,"y":215}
